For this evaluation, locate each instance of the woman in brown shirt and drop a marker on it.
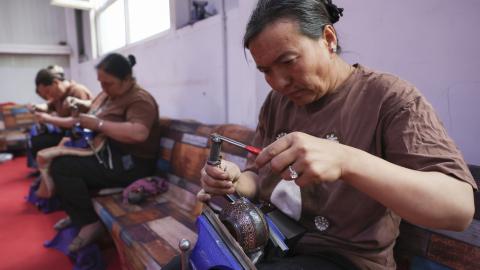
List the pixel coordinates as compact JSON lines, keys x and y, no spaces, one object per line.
{"x":363,"y":149}
{"x":52,"y":86}
{"x":127,"y":116}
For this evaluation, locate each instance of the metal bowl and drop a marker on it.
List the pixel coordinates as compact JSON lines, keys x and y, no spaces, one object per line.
{"x":246,"y":223}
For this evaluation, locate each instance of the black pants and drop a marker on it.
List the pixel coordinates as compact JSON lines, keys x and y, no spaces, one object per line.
{"x":43,"y":141}
{"x":324,"y":262}
{"x":303,"y":262}
{"x":75,"y":176}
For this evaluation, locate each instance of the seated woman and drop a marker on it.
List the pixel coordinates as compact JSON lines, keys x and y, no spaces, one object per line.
{"x":127,"y":116}
{"x":52,"y":87}
{"x":364,"y":149}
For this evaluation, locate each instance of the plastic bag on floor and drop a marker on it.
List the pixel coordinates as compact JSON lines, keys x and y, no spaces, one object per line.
{"x":45,"y":205}
{"x":87,"y":258}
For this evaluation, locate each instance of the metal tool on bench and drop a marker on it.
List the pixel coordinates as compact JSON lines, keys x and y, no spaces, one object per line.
{"x":284,"y":231}
{"x":238,"y":236}
{"x":235,"y":237}
{"x":254,"y":150}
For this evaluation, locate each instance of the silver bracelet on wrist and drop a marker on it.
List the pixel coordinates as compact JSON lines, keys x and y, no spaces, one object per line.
{"x":99,"y":125}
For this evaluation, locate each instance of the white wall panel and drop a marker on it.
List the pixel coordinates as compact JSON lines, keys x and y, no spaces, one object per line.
{"x":31,"y":22}
{"x":17,"y":75}
{"x":28,"y":24}
{"x":182,"y":70}
{"x":431,"y":43}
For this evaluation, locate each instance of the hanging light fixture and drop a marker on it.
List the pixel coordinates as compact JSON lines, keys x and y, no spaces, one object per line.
{"x":76,"y":4}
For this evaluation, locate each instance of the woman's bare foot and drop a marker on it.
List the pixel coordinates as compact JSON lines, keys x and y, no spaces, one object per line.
{"x":88,"y":234}
{"x":62,"y":223}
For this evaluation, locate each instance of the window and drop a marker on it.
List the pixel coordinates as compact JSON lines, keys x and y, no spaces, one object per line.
{"x":121,"y":22}
{"x":111,"y":27}
{"x":147,"y":18}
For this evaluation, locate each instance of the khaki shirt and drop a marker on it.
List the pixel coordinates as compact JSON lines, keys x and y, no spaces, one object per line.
{"x":74,"y":90}
{"x":382,"y":115}
{"x":136,"y":106}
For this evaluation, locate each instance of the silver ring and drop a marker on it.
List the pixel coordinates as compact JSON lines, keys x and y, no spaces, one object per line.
{"x":293,"y":173}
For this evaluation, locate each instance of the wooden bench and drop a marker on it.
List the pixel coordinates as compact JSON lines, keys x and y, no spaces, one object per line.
{"x":15,"y":121}
{"x":147,"y":235}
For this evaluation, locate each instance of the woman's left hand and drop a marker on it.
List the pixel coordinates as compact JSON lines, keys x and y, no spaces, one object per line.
{"x":314,"y":159}
{"x":88,"y":121}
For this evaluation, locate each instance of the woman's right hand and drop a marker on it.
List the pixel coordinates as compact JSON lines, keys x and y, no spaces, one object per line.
{"x":42,"y":117}
{"x":72,"y":102}
{"x":77,"y":105}
{"x":218,"y":180}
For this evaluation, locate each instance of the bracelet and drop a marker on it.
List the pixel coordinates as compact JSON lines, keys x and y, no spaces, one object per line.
{"x":99,"y":125}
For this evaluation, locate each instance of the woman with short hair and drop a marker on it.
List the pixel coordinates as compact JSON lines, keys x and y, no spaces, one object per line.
{"x":52,"y":86}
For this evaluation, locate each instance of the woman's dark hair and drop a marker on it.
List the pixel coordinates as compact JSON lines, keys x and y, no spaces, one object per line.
{"x":46,"y":76}
{"x":117,"y":65}
{"x":312,"y":16}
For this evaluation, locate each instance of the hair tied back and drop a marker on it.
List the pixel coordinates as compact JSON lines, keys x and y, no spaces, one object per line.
{"x":334,"y":11}
{"x":132,"y":60}
{"x":57,"y":72}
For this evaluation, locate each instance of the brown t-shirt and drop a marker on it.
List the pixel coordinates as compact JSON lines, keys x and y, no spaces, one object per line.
{"x":74,"y":90}
{"x":382,"y":115}
{"x":136,"y":106}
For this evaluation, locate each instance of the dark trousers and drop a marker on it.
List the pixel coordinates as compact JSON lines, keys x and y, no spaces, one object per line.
{"x":43,"y":141}
{"x":324,"y":262}
{"x":75,"y":176}
{"x":298,"y":262}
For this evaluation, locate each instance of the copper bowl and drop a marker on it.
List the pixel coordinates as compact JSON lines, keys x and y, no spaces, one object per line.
{"x":246,"y":223}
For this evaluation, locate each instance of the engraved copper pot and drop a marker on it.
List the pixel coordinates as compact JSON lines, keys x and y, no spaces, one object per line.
{"x":246,"y":223}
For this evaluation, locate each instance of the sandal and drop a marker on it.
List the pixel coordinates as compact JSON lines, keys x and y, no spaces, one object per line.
{"x":76,"y":244}
{"x":62,"y":224}
{"x":85,"y":238}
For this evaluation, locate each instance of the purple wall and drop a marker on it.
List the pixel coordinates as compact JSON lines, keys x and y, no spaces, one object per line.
{"x":435,"y":44}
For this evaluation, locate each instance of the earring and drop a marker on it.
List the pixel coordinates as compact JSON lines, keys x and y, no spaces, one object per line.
{"x":334,"y":49}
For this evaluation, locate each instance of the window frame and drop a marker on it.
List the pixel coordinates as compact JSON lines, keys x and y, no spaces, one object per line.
{"x":100,"y":9}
